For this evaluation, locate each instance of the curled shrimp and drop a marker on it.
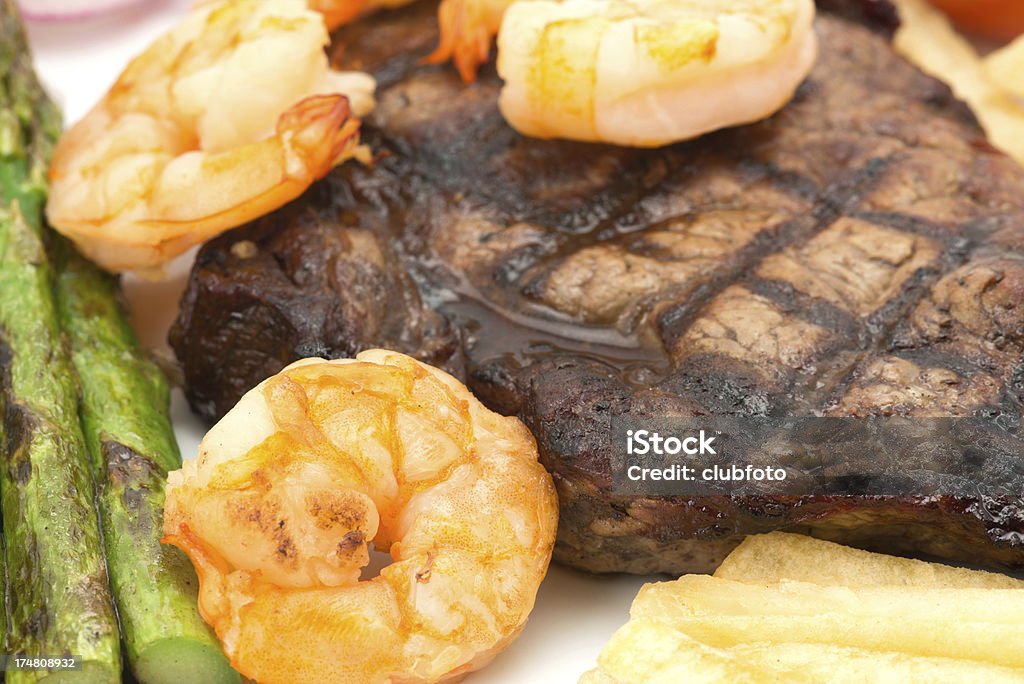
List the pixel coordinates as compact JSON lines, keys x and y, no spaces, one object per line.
{"x":647,"y":73}
{"x":290,"y":488}
{"x":228,"y":116}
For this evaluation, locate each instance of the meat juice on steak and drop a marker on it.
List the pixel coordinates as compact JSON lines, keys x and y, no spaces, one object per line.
{"x":857,"y":254}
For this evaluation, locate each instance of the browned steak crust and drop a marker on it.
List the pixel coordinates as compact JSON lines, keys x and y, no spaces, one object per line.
{"x":312,"y":279}
{"x":858,"y":254}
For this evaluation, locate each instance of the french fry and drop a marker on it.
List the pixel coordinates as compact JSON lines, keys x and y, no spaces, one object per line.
{"x":650,"y":652}
{"x":789,"y":608}
{"x":964,"y":624}
{"x":1006,"y":67}
{"x":769,"y":558}
{"x":700,"y":595}
{"x":981,"y":642}
{"x":838,"y":665}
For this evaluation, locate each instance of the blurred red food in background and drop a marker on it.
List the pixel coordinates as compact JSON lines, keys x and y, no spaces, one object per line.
{"x":999,"y":19}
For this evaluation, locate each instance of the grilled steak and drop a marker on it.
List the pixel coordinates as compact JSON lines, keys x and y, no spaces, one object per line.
{"x":313,"y":279}
{"x":858,"y":254}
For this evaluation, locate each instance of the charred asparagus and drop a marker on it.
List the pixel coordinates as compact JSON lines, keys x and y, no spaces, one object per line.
{"x":60,"y":604}
{"x":128,"y":431}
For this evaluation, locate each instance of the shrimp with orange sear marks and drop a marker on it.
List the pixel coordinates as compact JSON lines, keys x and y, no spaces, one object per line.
{"x":228,"y":116}
{"x":292,"y":486}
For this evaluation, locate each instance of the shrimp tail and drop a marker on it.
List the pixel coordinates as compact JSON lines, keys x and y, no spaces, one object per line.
{"x":466,"y":37}
{"x":168,"y":160}
{"x":226,"y":189}
{"x":320,"y":132}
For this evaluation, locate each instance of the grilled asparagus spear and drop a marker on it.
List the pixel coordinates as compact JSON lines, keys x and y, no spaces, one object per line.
{"x":124,"y":416}
{"x":59,"y":604}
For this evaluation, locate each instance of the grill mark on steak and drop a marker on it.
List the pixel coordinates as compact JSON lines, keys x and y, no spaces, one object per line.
{"x":830,"y":205}
{"x":903,"y":223}
{"x":879,"y":320}
{"x":792,"y":337}
{"x":798,"y":342}
{"x":854,"y":265}
{"x":884,"y":324}
{"x":687,"y":194}
{"x":856,"y":254}
{"x":596,"y":283}
{"x":971,"y":327}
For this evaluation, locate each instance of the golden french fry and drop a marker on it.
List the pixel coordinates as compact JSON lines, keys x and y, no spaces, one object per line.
{"x":652,"y":652}
{"x":963,"y":624}
{"x":790,"y":608}
{"x":1005,"y":67}
{"x":647,"y":651}
{"x":778,"y":556}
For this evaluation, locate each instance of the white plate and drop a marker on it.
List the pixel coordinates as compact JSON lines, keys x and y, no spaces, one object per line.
{"x":575,"y":614}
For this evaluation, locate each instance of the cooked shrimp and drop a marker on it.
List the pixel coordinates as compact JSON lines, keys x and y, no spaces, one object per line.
{"x":228,"y":116}
{"x":468,"y":28}
{"x":650,"y":72}
{"x":290,"y":488}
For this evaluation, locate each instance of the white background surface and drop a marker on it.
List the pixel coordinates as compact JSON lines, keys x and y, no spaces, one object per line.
{"x":575,"y":614}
